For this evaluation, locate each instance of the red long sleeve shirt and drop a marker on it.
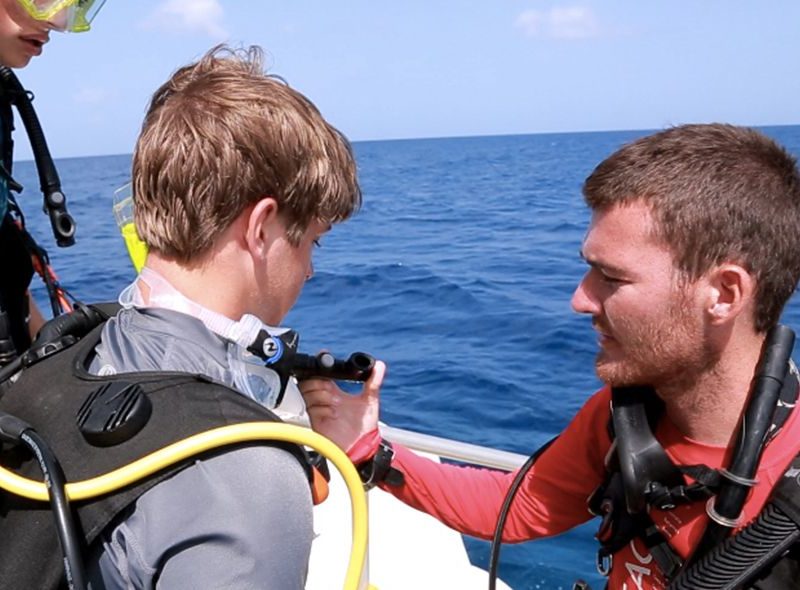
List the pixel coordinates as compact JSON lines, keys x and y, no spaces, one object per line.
{"x":553,"y":497}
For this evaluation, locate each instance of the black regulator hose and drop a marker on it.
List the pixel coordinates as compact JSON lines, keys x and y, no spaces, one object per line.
{"x":55,"y":202}
{"x":14,"y":430}
{"x":726,"y":508}
{"x":497,"y":538}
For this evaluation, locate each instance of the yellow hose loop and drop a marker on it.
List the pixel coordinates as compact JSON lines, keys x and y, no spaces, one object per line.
{"x":211,"y":439}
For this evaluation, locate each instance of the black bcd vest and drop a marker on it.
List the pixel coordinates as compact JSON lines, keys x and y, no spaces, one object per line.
{"x":49,"y":396}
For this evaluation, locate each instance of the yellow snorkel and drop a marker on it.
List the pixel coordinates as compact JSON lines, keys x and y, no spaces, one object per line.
{"x":123,"y":213}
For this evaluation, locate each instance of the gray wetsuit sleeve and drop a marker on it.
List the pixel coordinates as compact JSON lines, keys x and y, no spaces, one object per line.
{"x":238,"y":520}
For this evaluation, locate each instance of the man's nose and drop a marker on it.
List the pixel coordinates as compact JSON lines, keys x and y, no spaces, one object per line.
{"x":59,"y":21}
{"x":582,"y":299}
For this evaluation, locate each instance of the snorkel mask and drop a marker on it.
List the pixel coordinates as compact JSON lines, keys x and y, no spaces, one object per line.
{"x":74,"y":16}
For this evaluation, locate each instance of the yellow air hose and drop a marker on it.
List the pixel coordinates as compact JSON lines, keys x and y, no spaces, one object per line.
{"x":211,"y":439}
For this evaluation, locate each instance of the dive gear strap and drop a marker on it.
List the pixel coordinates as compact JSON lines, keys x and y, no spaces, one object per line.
{"x":17,"y":267}
{"x":379,"y":468}
{"x":770,"y":541}
{"x":640,"y":476}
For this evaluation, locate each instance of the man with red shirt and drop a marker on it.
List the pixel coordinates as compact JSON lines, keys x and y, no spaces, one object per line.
{"x":692,"y":252}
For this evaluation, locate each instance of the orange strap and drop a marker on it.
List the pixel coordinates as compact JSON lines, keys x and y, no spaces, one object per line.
{"x":319,"y":487}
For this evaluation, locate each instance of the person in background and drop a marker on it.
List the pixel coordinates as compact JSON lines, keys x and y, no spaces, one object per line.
{"x":692,"y":252}
{"x":25,"y":27}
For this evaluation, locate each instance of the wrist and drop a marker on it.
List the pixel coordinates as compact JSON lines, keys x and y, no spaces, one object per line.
{"x":365,"y":447}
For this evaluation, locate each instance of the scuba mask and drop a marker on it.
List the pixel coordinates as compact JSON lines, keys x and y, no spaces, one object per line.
{"x":74,"y":16}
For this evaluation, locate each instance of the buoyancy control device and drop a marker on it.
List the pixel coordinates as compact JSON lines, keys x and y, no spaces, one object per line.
{"x":100,"y":424}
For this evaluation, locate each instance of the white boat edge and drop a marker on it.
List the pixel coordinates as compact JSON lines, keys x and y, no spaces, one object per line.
{"x":407,"y":548}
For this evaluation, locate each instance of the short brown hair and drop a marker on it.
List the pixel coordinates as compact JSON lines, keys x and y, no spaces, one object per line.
{"x":221,"y":134}
{"x":718,"y":193}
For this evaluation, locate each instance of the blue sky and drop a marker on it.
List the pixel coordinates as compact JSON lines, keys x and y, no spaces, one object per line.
{"x":415,"y":68}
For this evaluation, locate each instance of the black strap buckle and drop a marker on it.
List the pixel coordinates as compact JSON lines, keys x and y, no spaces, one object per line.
{"x":379,"y":469}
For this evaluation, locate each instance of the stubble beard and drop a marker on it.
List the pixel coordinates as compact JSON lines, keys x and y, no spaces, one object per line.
{"x":671,"y":353}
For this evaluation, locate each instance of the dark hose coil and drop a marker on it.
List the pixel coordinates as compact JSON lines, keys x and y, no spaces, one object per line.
{"x":730,"y":564}
{"x":54,"y":200}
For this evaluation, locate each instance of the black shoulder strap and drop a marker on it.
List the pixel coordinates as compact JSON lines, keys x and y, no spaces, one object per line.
{"x":641,"y":472}
{"x":7,"y":140}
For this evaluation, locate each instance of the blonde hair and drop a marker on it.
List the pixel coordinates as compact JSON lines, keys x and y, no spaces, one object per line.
{"x":222,"y":134}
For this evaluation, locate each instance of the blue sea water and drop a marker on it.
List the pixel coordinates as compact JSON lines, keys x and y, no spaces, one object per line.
{"x":458,"y":272}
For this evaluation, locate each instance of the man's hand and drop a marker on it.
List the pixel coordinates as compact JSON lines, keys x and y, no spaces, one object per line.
{"x":342,"y":417}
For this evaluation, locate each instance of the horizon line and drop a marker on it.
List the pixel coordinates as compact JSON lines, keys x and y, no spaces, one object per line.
{"x":447,"y":137}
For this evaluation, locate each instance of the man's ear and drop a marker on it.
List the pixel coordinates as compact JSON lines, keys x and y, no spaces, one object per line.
{"x":732,"y":291}
{"x":261,"y":225}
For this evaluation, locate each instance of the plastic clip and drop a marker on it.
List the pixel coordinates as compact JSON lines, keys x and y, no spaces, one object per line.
{"x":604,"y":562}
{"x":719,"y":519}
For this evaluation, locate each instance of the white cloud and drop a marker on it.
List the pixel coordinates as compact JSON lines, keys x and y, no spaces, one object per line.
{"x":530,"y":22}
{"x":93,"y":95}
{"x":194,"y":16}
{"x":569,"y":23}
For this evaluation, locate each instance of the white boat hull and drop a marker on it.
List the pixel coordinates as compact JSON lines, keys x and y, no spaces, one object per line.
{"x":407,"y":548}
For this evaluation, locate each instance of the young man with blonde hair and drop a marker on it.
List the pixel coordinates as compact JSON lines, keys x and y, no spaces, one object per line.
{"x":236,"y":178}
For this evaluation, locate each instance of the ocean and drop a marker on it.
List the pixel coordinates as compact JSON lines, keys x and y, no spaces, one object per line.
{"x":457,"y":271}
